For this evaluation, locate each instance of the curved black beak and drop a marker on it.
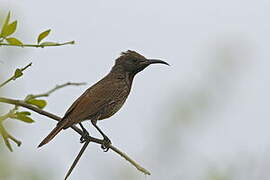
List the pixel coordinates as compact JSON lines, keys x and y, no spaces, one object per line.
{"x":157,"y":61}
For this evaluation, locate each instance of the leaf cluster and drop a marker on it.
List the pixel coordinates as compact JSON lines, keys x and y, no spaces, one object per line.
{"x":7,"y":38}
{"x":14,"y":113}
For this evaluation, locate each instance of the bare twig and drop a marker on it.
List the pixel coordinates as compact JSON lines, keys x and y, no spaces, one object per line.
{"x":134,"y":163}
{"x":77,"y":159}
{"x":89,"y":138}
{"x":46,"y":94}
{"x":38,"y":45}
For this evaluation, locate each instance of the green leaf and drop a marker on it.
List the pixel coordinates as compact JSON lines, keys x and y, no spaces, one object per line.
{"x":27,"y":113}
{"x":26,"y":119}
{"x":18,"y":73}
{"x":42,"y":35}
{"x":49,"y":44}
{"x":9,"y":29}
{"x":23,"y":117}
{"x":5,"y":24}
{"x":37,"y":102}
{"x":14,"y":41}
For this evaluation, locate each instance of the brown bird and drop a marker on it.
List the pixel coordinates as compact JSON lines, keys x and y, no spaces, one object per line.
{"x":106,"y":97}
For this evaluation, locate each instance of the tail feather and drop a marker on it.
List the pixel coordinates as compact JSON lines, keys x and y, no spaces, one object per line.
{"x":53,"y":133}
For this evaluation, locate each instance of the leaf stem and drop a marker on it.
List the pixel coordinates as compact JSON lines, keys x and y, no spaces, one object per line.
{"x":37,"y":45}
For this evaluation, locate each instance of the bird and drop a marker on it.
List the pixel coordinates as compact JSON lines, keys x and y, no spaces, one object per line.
{"x":104,"y":98}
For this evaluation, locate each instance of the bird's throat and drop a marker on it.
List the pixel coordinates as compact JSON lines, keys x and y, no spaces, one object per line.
{"x":120,"y":73}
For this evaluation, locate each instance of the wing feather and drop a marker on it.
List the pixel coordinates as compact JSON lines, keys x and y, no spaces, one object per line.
{"x":92,"y":101}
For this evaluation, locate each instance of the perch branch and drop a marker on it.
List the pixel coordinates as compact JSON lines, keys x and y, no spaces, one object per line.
{"x":11,"y":114}
{"x":75,"y":128}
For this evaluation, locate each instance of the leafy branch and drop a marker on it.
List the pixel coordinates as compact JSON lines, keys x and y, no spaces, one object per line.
{"x":6,"y":136}
{"x":18,"y":73}
{"x":25,"y":115}
{"x":9,"y":28}
{"x":43,"y":45}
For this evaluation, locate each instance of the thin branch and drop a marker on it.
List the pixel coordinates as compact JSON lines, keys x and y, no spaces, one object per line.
{"x":134,"y":163}
{"x":5,"y":116}
{"x":28,"y":65}
{"x":92,"y":139}
{"x":6,"y":136}
{"x":77,"y":159}
{"x":46,"y":94}
{"x":14,"y":75}
{"x":4,"y":133}
{"x":38,"y":45}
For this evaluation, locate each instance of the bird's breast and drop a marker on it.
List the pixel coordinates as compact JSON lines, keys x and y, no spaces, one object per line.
{"x":116,"y":102}
{"x":112,"y":108}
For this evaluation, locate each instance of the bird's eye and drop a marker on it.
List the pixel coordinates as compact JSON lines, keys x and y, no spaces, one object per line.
{"x":134,"y":60}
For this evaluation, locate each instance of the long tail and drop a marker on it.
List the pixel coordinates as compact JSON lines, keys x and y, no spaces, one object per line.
{"x":54,"y":132}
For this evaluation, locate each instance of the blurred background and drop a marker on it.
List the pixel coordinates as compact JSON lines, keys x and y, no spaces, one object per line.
{"x":205,"y":117}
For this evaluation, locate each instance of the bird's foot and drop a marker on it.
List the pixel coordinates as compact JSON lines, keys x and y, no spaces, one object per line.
{"x":106,"y":144}
{"x":84,"y":136}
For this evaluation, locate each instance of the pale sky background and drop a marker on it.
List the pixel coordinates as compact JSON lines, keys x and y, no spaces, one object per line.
{"x":216,"y":90}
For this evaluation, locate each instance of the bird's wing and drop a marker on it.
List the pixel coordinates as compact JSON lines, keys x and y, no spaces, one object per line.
{"x":91,"y":102}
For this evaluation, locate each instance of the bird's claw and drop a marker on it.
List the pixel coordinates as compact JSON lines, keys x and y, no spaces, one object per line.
{"x":84,"y":137}
{"x":106,"y":144}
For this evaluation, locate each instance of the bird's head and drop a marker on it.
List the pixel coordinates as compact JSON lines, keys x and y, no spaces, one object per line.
{"x":134,"y":62}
